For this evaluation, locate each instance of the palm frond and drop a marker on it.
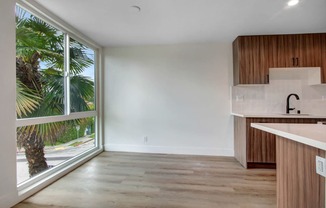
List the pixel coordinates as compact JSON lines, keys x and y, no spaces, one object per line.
{"x":81,"y":93}
{"x":27,"y":101}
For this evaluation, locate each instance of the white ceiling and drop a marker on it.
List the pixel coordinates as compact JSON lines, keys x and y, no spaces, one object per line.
{"x":116,"y":23}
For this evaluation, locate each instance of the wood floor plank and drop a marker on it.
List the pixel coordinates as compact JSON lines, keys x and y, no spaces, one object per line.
{"x":118,"y":180}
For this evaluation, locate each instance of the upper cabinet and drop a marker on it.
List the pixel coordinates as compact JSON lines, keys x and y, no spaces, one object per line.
{"x":302,"y":50}
{"x":249,"y":60}
{"x":254,"y":55}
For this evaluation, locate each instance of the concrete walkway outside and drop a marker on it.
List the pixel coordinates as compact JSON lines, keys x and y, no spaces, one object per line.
{"x":54,"y":155}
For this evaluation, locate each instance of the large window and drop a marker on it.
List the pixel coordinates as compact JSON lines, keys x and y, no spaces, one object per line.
{"x":55,"y":96}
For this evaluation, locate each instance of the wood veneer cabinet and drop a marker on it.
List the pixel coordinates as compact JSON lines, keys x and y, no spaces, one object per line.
{"x":254,"y":55}
{"x":301,"y":50}
{"x":254,"y":148}
{"x":298,"y":184}
{"x":249,"y":60}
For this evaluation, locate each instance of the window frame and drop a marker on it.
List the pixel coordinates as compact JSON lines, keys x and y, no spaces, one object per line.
{"x":69,"y":32}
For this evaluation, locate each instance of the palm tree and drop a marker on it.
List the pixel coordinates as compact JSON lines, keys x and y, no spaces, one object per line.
{"x":40,"y":84}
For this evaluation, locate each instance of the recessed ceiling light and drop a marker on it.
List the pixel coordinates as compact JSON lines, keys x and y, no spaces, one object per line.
{"x":293,"y":2}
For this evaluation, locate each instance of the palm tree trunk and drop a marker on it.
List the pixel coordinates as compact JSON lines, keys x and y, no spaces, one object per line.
{"x":34,"y":152}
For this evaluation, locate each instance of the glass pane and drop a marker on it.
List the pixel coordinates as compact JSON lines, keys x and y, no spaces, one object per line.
{"x":39,"y":67}
{"x":40,"y":147}
{"x":82,"y":72}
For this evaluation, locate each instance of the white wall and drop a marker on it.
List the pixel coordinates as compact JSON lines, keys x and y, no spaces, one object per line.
{"x":175,"y":95}
{"x":8,"y":190}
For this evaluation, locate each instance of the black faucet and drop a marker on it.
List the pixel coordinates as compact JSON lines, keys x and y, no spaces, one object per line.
{"x":288,"y":109}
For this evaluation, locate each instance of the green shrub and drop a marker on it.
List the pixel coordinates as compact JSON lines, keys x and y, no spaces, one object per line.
{"x":71,"y":132}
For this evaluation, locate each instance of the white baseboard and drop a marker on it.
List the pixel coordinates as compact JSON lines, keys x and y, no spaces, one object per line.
{"x":169,"y":150}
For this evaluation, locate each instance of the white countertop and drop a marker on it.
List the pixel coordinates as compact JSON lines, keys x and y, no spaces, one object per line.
{"x":275,"y":115}
{"x":310,"y":134}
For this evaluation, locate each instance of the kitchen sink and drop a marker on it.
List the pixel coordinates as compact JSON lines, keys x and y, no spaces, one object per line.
{"x":301,"y":114}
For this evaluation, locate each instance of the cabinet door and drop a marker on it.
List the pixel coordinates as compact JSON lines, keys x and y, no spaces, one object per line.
{"x":266,"y":45}
{"x":248,"y":61}
{"x":308,"y":51}
{"x":261,"y":146}
{"x":283,"y":50}
{"x":323,"y":57}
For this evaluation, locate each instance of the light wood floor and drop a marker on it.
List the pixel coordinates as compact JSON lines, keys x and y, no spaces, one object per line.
{"x":157,"y":180}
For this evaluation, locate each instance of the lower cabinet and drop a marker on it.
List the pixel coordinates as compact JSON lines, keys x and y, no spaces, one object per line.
{"x":254,"y":148}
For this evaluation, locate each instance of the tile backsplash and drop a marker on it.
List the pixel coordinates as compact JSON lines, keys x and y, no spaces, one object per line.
{"x":271,"y":98}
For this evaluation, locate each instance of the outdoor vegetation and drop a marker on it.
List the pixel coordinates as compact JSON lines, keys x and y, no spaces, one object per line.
{"x":40,"y":87}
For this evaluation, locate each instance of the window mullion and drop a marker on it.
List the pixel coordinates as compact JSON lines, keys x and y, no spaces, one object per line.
{"x":51,"y":119}
{"x":67,"y":75}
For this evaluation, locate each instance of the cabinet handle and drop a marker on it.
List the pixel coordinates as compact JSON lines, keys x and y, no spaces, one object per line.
{"x":297,"y":61}
{"x":293,"y":61}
